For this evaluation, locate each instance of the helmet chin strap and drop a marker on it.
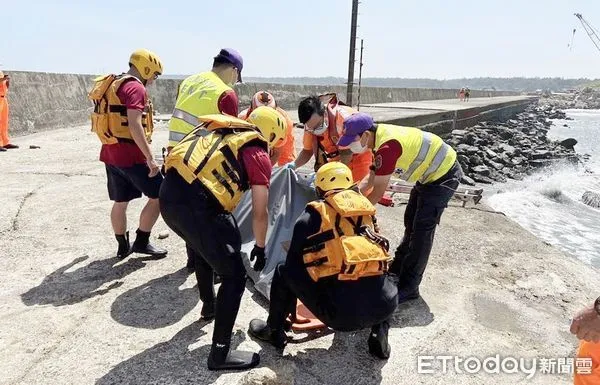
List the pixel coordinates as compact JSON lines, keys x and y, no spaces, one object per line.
{"x":320,"y":193}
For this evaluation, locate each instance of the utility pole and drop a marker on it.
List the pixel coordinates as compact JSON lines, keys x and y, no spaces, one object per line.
{"x":352,"y":52}
{"x":360,"y":72}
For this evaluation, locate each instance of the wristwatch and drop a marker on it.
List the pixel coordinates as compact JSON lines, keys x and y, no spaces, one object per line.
{"x":597,"y":305}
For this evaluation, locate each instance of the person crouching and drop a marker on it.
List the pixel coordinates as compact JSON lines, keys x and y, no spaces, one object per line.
{"x":336,"y":265}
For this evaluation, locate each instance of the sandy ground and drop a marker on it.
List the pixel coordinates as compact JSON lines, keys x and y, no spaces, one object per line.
{"x":73,"y":314}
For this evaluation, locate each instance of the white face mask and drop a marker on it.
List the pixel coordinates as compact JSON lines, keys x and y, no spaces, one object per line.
{"x":320,"y":131}
{"x":357,"y":147}
{"x":234,"y":79}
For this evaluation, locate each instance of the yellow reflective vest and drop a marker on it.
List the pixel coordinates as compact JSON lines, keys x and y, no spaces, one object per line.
{"x":425,"y":157}
{"x":209,"y":155}
{"x":198,"y":95}
{"x":346,"y":245}
{"x":109,"y":118}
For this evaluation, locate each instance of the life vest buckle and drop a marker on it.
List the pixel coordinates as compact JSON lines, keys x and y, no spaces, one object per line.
{"x":317,"y":262}
{"x":370,"y":233}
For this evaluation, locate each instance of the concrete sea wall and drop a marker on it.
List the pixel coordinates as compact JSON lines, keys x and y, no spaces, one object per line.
{"x":42,"y":101}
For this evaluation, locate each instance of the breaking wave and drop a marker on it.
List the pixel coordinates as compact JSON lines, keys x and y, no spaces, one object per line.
{"x":549,"y":203}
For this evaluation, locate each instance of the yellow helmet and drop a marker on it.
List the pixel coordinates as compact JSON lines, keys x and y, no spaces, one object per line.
{"x":271,"y":124}
{"x":146,"y":62}
{"x":333,"y":176}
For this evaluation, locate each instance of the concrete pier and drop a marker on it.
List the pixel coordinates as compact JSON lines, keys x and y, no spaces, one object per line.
{"x":74,"y":314}
{"x":443,"y":116}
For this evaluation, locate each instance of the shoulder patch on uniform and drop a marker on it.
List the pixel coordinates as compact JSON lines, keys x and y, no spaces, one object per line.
{"x":377,"y":161}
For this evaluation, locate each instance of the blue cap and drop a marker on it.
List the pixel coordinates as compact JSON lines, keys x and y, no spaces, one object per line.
{"x":233,"y":57}
{"x":354,"y":126}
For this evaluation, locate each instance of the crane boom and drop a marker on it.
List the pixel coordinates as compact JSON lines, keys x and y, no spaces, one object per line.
{"x":591,"y":31}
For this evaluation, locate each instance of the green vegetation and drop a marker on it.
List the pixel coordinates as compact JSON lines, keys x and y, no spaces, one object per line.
{"x":593,"y":84}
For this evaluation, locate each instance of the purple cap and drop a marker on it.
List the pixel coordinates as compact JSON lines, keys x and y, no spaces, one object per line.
{"x":233,"y":57}
{"x":354,"y":126}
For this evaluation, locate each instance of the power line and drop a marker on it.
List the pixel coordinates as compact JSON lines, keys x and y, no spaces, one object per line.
{"x":591,"y":31}
{"x":360,"y":66}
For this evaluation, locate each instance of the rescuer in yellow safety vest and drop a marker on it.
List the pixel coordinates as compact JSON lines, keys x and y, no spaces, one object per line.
{"x":206,"y":93}
{"x":336,"y":265}
{"x":422,"y":158}
{"x":207,"y":173}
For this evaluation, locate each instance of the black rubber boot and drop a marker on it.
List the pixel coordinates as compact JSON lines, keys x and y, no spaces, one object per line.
{"x":208,"y":311}
{"x":261,"y":330}
{"x":378,"y":341}
{"x":124,"y":248}
{"x":221,"y":358}
{"x":2,"y":149}
{"x":287,"y":325}
{"x":405,"y":295}
{"x":142,"y":245}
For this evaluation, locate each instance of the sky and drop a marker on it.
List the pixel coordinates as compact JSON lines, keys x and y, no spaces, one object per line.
{"x":412,"y":39}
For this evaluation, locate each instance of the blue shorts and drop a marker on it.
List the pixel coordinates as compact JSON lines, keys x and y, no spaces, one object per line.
{"x":128,"y":183}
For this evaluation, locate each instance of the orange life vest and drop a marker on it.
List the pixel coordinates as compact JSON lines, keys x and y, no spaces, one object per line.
{"x":109,"y":118}
{"x":346,"y":244}
{"x":327,"y":151}
{"x":3,"y":88}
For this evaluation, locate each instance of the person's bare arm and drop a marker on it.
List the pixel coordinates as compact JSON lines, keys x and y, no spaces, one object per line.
{"x":139,"y":137}
{"x":260,"y":213}
{"x":366,"y":185}
{"x":378,"y":187}
{"x":586,"y":325}
{"x":303,"y":157}
{"x":346,"y":157}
